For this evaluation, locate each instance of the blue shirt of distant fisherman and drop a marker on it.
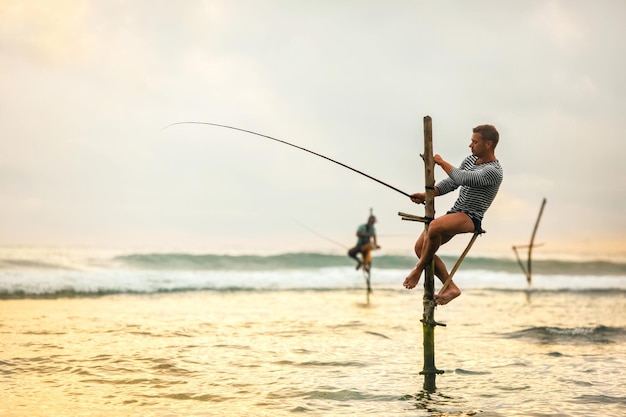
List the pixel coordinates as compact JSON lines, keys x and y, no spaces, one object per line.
{"x":362,"y":240}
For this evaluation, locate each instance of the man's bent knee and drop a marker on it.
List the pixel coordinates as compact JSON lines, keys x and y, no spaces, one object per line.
{"x":418,"y":249}
{"x":436,"y":228}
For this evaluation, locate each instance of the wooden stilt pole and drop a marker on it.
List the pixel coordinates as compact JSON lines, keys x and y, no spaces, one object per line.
{"x":528,"y":270}
{"x":458,"y":262}
{"x":428,"y":319}
{"x":367,"y":265}
{"x":532,"y":241}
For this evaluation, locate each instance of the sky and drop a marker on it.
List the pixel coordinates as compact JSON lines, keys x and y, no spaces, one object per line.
{"x":87,"y":87}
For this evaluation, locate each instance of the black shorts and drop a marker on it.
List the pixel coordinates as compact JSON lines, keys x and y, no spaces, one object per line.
{"x":478,"y":228}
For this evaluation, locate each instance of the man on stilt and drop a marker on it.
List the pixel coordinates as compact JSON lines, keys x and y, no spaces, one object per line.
{"x":365,"y":233}
{"x":479,"y":177}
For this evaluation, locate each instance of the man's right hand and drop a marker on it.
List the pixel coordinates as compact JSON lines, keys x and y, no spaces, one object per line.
{"x":418,"y":198}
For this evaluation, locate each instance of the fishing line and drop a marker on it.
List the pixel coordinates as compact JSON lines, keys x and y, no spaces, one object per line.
{"x":295,"y":146}
{"x":319,"y":234}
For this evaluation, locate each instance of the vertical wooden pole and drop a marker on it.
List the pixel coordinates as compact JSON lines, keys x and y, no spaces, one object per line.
{"x":367,"y":266}
{"x":528,"y":269}
{"x":532,"y":242}
{"x":428,"y":319}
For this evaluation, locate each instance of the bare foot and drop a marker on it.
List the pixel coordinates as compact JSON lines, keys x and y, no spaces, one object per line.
{"x":448,"y":295}
{"x":413,"y":278}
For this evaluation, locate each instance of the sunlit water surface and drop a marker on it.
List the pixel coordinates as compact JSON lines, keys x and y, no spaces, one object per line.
{"x":322,"y":353}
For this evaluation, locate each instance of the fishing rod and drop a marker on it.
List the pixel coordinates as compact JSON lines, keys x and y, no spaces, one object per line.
{"x":295,"y":146}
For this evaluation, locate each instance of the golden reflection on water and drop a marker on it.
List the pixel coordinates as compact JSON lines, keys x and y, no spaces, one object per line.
{"x":314,"y":352}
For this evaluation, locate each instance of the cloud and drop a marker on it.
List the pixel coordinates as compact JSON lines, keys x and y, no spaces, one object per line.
{"x":564,"y":27}
{"x":51,"y":33}
{"x":89,"y":85}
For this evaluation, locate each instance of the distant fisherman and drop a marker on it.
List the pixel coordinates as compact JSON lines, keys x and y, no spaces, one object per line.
{"x":365,"y":233}
{"x":479,"y":177}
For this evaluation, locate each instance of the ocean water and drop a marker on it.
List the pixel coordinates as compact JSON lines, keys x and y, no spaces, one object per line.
{"x":95,"y":333}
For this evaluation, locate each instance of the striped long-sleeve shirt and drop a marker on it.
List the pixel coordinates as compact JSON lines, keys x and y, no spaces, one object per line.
{"x":479,"y":186}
